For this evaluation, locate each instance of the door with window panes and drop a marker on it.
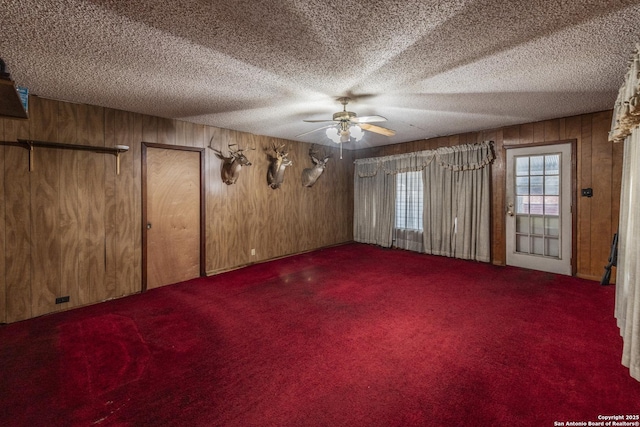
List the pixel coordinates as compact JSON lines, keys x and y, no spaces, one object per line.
{"x":538,"y":211}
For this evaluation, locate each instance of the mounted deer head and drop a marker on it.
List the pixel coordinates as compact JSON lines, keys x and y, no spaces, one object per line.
{"x":232,"y":165}
{"x":311,"y":175}
{"x":277,"y":165}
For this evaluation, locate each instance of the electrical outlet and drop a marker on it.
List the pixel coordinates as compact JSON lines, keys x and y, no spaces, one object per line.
{"x":61,"y":300}
{"x":587,"y":192}
{"x":253,"y":252}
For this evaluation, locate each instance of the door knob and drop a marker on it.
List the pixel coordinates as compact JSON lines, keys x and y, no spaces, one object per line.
{"x":510,"y":209}
{"x":149,"y":226}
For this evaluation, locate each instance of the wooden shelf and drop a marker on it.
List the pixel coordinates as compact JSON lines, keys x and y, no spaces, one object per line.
{"x":31,"y":144}
{"x":10,"y":104}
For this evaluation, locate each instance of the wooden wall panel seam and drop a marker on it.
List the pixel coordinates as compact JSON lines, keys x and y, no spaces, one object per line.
{"x":3,"y":282}
{"x":45,"y":202}
{"x":69,"y":216}
{"x":18,"y":224}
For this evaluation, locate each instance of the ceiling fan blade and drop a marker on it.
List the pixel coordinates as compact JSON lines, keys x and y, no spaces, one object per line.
{"x":369,"y":119}
{"x":318,"y":121}
{"x":315,"y":130}
{"x":377,"y":129}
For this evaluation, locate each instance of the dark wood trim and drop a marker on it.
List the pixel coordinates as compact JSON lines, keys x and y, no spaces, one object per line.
{"x":172,"y":147}
{"x":203,"y":235}
{"x":539,"y":144}
{"x":203,"y":214}
{"x":491,"y":225}
{"x":574,"y":206}
{"x":144,"y":216}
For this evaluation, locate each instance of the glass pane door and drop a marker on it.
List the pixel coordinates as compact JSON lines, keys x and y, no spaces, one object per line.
{"x":538,"y":212}
{"x":537,"y":208}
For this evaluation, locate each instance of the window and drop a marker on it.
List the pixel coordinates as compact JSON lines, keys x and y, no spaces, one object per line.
{"x":538,"y":205}
{"x":409,"y":200}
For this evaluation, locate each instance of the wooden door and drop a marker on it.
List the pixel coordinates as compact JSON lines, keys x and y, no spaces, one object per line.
{"x":173,"y":215}
{"x":539,"y":215}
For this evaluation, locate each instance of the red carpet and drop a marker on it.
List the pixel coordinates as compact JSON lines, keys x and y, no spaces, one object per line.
{"x":348,"y":336}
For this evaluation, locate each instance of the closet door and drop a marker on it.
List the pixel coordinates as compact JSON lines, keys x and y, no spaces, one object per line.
{"x":173,"y":223}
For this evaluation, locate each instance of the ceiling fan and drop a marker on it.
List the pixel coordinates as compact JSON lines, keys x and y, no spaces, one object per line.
{"x":348,"y":125}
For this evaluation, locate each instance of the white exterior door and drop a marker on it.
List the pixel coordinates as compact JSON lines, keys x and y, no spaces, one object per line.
{"x":538,"y":210}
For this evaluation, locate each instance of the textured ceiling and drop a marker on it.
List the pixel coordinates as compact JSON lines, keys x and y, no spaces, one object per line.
{"x":431,"y":67}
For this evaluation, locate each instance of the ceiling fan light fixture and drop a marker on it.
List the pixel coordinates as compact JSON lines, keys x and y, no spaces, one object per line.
{"x":356,"y":132}
{"x":333,"y":134}
{"x":348,"y":125}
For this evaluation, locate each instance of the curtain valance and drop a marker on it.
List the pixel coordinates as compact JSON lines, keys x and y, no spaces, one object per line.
{"x":457,"y":158}
{"x":454,"y":204}
{"x":626,"y":110}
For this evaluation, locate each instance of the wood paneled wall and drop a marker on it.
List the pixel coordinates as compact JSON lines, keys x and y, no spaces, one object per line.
{"x":599,"y":166}
{"x":72,"y":227}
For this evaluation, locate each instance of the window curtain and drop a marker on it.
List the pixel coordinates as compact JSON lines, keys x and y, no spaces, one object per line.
{"x":457,"y":207}
{"x":374,"y":205}
{"x":625,"y":129}
{"x":456,"y":201}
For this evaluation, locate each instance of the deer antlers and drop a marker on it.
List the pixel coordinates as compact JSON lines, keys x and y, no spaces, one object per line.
{"x":231,"y":165}
{"x":314,"y":158}
{"x":277,"y":166}
{"x":311,"y":175}
{"x":233,"y":153}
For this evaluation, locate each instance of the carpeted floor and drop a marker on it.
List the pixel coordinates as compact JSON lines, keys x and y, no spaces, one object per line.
{"x":353,"y":335}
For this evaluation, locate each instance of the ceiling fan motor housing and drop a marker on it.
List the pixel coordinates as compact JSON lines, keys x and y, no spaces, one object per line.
{"x":348,"y":122}
{"x":344,"y":116}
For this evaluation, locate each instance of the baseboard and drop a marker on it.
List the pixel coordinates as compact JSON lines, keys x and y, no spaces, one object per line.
{"x":237,"y":267}
{"x":595,"y":278}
